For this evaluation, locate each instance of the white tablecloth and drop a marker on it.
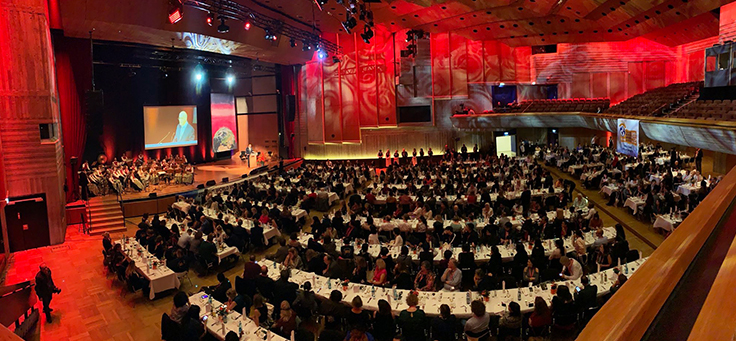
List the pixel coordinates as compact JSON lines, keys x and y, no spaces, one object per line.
{"x":459,"y":302}
{"x":182,"y":206}
{"x":480,"y":253}
{"x":666,"y":222}
{"x":219,"y":330}
{"x":608,"y":190}
{"x":687,"y":188}
{"x":633,"y":203}
{"x":161,"y":279}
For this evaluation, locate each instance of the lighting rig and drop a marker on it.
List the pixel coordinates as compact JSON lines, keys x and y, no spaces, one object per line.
{"x":224,"y":10}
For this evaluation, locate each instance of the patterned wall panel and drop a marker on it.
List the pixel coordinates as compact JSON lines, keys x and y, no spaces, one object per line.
{"x":332,"y":102}
{"x":349,"y":95}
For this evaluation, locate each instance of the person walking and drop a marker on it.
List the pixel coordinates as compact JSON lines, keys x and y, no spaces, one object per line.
{"x":45,"y":288}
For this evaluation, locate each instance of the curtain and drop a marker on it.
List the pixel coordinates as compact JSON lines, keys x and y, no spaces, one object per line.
{"x":288,"y":76}
{"x":73,"y":120}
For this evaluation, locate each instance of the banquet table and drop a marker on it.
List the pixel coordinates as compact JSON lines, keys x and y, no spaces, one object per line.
{"x":182,"y":206}
{"x":480,"y":253}
{"x":459,"y":302}
{"x":235,"y":321}
{"x":633,"y":203}
{"x":608,"y":190}
{"x":667,"y":222}
{"x":268,"y":230}
{"x":686,"y":189}
{"x":160,"y":278}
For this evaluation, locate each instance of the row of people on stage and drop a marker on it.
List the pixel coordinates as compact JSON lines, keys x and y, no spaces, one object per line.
{"x":137,"y":174}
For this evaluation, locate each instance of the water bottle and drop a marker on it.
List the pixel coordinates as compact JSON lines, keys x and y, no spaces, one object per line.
{"x":626,"y":269}
{"x":329,"y":284}
{"x":240,"y":329}
{"x":468,"y":297}
{"x":373,"y":291}
{"x":519,"y":294}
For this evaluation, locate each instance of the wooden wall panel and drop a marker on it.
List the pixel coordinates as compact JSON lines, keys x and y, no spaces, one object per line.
{"x":349,"y":95}
{"x":654,"y":75}
{"x":580,"y":85}
{"x":441,"y":77}
{"x":636,"y":78}
{"x":28,"y":98}
{"x":727,"y":28}
{"x":617,"y":91}
{"x":332,"y":102}
{"x":491,"y":63}
{"x":313,"y":106}
{"x":458,"y":65}
{"x":598,"y":85}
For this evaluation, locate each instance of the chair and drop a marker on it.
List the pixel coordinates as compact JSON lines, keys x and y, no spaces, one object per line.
{"x":184,"y":275}
{"x":632,"y":255}
{"x":170,"y":330}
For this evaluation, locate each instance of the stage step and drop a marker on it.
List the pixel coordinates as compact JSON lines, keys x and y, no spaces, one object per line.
{"x":105,"y":215}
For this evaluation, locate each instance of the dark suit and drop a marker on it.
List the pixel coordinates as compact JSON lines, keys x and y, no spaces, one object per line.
{"x":587,"y":297}
{"x":264,"y":284}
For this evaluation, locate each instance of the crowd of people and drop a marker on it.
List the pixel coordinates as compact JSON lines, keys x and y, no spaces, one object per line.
{"x":137,"y":174}
{"x":655,"y":177}
{"x":492,"y":202}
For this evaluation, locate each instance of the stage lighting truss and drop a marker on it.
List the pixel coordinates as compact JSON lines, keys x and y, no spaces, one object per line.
{"x":232,"y":10}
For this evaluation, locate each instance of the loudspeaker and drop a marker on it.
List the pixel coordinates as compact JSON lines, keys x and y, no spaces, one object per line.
{"x":290,"y":108}
{"x":200,"y":186}
{"x":210,"y":183}
{"x":244,"y":176}
{"x":225,"y":179}
{"x":152,"y":195}
{"x":95,"y":105}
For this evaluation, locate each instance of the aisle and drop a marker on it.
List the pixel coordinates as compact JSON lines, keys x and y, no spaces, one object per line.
{"x":641,"y":235}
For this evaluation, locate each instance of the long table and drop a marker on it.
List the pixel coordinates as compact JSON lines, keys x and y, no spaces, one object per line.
{"x":161,"y":278}
{"x":459,"y":302}
{"x":218,"y":329}
{"x":481,"y":253}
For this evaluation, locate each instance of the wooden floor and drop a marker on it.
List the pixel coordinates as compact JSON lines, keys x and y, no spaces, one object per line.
{"x":90,"y":306}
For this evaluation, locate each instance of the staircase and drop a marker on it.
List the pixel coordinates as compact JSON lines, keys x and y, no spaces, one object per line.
{"x":105,"y":215}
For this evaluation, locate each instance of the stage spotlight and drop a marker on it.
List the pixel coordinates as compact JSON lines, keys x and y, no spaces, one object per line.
{"x":246,"y":26}
{"x":349,"y":23}
{"x":321,"y":54}
{"x":230,"y":79}
{"x":320,"y":3}
{"x":198,"y":76}
{"x":534,"y":83}
{"x":176,"y":11}
{"x":292,"y":42}
{"x":367,"y":34}
{"x":306,"y":46}
{"x":409,"y":36}
{"x":335,"y":59}
{"x":500,"y":85}
{"x":210,"y":18}
{"x":223,"y":28}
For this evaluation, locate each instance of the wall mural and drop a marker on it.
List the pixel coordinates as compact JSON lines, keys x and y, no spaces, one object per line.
{"x":365,"y":87}
{"x":203,"y":42}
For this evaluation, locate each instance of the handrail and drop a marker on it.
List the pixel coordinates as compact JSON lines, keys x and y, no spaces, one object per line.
{"x":717,"y":318}
{"x":629,"y":313}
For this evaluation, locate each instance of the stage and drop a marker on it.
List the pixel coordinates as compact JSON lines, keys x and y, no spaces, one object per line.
{"x":233,"y":169}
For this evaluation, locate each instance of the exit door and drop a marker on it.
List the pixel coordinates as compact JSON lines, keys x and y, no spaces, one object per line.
{"x":28,"y":223}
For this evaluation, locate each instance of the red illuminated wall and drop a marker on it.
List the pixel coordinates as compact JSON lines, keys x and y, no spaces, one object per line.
{"x":370,"y":81}
{"x":727,"y":30}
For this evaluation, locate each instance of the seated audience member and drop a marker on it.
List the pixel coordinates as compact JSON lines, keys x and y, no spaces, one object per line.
{"x":180,"y":308}
{"x":412,"y":320}
{"x":286,"y":323}
{"x":477,"y":326}
{"x":445,"y":326}
{"x":452,"y":277}
{"x":571,"y":269}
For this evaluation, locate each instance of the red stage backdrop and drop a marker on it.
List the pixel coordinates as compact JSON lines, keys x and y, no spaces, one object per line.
{"x":224,"y":128}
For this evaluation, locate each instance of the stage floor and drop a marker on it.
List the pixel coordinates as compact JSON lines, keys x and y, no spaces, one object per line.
{"x":233,"y":169}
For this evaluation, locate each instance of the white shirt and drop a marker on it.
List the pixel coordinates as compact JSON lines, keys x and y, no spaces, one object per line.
{"x":576,"y":271}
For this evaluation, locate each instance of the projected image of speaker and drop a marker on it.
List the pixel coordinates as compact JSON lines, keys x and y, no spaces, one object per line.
{"x":170,"y":126}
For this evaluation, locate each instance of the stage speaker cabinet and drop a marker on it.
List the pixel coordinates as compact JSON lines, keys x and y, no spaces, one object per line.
{"x":200,"y":186}
{"x":152,"y":195}
{"x":244,"y":176}
{"x":290,"y":108}
{"x":95,"y":105}
{"x":210,"y":183}
{"x":225,"y":179}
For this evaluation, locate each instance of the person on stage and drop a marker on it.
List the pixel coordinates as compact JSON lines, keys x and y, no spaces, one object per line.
{"x":248,"y":152}
{"x":184,"y":131}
